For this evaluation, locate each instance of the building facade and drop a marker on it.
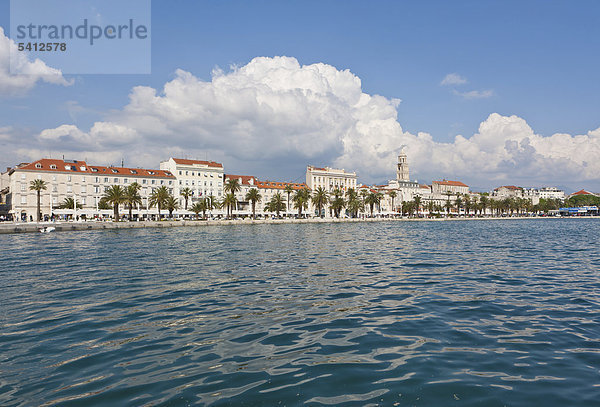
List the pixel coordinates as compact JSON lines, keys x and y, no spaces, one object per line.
{"x":84,"y":183}
{"x":204,"y":178}
{"x":329,"y":179}
{"x":246,"y":182}
{"x":446,"y":187}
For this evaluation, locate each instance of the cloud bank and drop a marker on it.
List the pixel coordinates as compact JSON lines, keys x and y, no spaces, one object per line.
{"x":274,"y":116}
{"x":33,"y":71}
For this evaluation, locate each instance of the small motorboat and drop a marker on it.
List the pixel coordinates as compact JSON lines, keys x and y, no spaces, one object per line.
{"x":47,"y":229}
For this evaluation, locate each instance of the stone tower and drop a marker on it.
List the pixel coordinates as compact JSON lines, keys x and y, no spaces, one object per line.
{"x":402,"y":171}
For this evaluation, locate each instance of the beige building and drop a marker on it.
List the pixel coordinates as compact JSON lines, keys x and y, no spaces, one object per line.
{"x":268,"y":189}
{"x":446,"y":187}
{"x":329,"y":178}
{"x":74,"y":179}
{"x":204,"y":178}
{"x":507,"y":191}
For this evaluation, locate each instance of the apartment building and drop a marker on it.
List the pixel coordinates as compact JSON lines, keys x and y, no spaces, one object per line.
{"x":204,"y":178}
{"x":329,"y":178}
{"x":75,"y":179}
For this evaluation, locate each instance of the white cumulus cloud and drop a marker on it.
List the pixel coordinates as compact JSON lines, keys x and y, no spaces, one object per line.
{"x":273,"y":116}
{"x":30,"y":71}
{"x":475,"y":94}
{"x":453,"y":79}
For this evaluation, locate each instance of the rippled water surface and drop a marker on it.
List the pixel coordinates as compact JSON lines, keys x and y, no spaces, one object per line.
{"x":482,"y":313}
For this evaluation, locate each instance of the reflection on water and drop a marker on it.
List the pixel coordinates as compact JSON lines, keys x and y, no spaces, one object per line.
{"x":474,"y":313}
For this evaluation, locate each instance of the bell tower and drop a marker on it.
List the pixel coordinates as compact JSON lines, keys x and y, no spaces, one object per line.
{"x":402,"y":170}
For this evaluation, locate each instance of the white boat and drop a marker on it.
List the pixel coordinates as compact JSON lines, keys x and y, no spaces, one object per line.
{"x":47,"y":229}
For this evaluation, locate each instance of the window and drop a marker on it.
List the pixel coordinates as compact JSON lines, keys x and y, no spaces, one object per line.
{"x":180,"y":182}
{"x":94,"y":169}
{"x":54,"y":200}
{"x":96,"y":189}
{"x":162,"y":182}
{"x":52,"y":166}
{"x":144,"y":181}
{"x":153,"y":182}
{"x":23,"y":199}
{"x":186,"y":173}
{"x":54,"y":178}
{"x":22,"y":176}
{"x":97,"y":179}
{"x":38,"y":165}
{"x":82,"y":179}
{"x":83,"y":190}
{"x":39,"y":176}
{"x":23,"y":187}
{"x":170,"y":182}
{"x":179,"y":172}
{"x":125,"y":181}
{"x":116,"y":180}
{"x":114,"y":171}
{"x":54,"y":188}
{"x":133,"y":171}
{"x":69,"y":188}
{"x":68,"y":178}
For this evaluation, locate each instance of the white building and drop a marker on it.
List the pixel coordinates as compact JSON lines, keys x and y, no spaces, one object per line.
{"x":330,"y":179}
{"x":204,"y":178}
{"x":74,"y":179}
{"x":551,"y":193}
{"x":246,"y":182}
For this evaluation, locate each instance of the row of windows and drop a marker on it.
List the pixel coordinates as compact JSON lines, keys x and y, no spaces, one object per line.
{"x":199,"y":183}
{"x":197,"y":174}
{"x":106,"y":180}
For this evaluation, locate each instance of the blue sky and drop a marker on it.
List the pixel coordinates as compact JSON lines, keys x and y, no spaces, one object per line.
{"x":537,"y":60}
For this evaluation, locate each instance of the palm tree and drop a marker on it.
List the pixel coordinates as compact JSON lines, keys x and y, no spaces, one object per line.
{"x":199,"y":207}
{"x":417,"y":204}
{"x":483,"y":201}
{"x":171,"y":204}
{"x":288,"y":190}
{"x":232,"y":186}
{"x":276,"y":204}
{"x":337,"y":204}
{"x":229,"y":202}
{"x":115,"y":195}
{"x":320,"y":199}
{"x":458,"y":202}
{"x":353,"y":202}
{"x":186,"y":193}
{"x":301,"y":199}
{"x":468,"y":205}
{"x":132,"y":197}
{"x":69,"y":203}
{"x":253,"y":196}
{"x":38,"y":186}
{"x":159,"y":198}
{"x":393,"y":195}
{"x":448,"y":205}
{"x":430,"y":208}
{"x":374,"y":198}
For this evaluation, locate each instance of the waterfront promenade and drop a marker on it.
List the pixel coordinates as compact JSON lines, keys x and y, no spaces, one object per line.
{"x":31,"y":227}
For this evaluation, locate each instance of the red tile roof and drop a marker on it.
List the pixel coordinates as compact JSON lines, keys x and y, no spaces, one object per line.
{"x":140,"y":172}
{"x":279,"y":185}
{"x":582,"y":192}
{"x":184,"y":161}
{"x":74,"y":166}
{"x":452,"y":183}
{"x":514,"y":188}
{"x":245,"y":179}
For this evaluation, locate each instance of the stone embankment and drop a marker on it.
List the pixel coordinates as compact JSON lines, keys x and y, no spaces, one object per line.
{"x":10,"y":227}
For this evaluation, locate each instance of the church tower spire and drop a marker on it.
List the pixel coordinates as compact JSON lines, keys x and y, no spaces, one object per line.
{"x":402,"y":171}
